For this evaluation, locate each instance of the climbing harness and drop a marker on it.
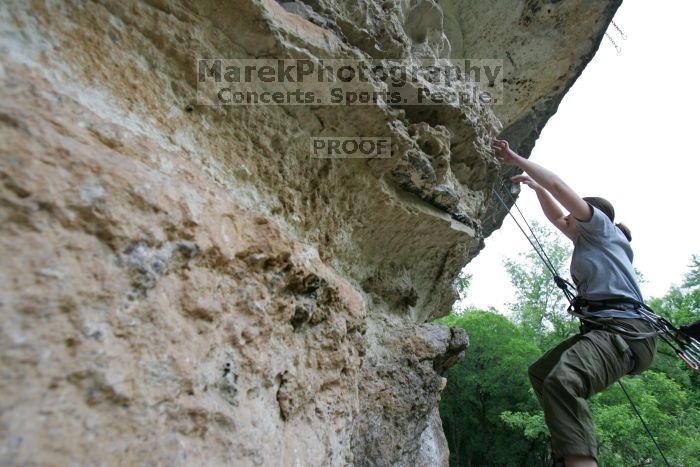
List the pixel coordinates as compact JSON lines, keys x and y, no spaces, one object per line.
{"x":685,"y":346}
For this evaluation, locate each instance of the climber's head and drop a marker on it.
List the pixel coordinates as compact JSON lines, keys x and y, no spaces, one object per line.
{"x":607,"y":208}
{"x":602,"y":204}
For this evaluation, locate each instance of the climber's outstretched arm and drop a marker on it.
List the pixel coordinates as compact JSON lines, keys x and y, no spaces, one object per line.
{"x":545,"y":178}
{"x":550,"y":207}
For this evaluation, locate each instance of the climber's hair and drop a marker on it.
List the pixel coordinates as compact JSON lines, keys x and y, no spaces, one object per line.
{"x":608,"y":209}
{"x":625,"y":230}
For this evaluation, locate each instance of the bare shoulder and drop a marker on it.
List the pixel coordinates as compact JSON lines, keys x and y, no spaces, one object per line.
{"x":567,"y":226}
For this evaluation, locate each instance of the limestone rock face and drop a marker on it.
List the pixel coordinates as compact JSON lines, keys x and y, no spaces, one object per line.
{"x":183,"y":284}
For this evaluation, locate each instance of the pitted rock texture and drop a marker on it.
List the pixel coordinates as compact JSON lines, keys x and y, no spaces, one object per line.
{"x":183,"y":285}
{"x":401,"y":376}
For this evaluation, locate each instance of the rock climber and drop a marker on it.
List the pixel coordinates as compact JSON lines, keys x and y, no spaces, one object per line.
{"x":601,"y":268}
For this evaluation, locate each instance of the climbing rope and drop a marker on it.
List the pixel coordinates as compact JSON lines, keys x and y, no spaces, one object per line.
{"x":685,"y":346}
{"x":564,"y":285}
{"x":643,"y":422}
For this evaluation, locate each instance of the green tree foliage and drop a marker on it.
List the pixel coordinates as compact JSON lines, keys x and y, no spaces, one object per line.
{"x":667,"y":410}
{"x":692,"y":279}
{"x":490,"y":414}
{"x":540,"y":307}
{"x":462,"y":283}
{"x":482,"y":386}
{"x":681,"y":305}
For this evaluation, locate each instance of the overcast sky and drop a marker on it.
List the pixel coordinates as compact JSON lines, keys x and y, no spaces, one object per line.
{"x":625,"y":131}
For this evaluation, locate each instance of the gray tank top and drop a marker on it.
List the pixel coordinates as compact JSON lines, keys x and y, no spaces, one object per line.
{"x":601,"y":264}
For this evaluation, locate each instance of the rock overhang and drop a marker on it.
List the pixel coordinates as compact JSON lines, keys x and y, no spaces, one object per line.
{"x":310,"y":276}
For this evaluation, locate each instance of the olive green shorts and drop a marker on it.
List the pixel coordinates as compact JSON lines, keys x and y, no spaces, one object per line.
{"x":580,"y":366}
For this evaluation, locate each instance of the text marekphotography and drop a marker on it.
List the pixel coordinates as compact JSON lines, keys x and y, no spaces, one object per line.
{"x":348,"y":82}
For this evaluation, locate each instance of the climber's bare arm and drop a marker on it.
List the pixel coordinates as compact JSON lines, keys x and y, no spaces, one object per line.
{"x":546,"y":179}
{"x":550,"y":208}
